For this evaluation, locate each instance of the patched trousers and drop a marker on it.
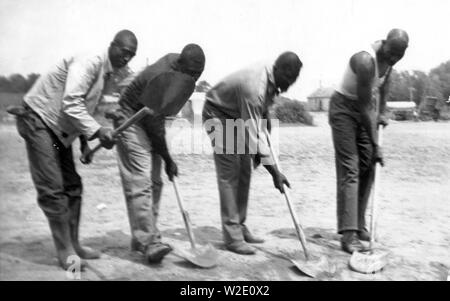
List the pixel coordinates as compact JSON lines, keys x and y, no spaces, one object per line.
{"x":52,"y":168}
{"x":140,"y":171}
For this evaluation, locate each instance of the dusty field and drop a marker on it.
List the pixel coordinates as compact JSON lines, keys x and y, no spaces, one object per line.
{"x":414,"y":221}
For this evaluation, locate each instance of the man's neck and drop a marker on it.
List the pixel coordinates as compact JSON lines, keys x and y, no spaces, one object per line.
{"x":380,"y":54}
{"x":176,"y":65}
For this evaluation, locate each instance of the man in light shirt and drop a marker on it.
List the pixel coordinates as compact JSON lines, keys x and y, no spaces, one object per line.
{"x":243,"y":98}
{"x":57,"y":110}
{"x":356,"y":108}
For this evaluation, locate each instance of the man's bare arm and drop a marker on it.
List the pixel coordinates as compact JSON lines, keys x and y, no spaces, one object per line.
{"x":364,"y":67}
{"x":384,"y":91}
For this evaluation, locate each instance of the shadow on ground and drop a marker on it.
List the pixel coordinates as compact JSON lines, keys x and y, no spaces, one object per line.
{"x":35,"y":260}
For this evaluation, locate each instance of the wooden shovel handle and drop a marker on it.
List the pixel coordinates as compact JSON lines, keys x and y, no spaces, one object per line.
{"x":129,"y":122}
{"x":298,"y":227}
{"x":375,"y":188}
{"x":184,"y":213}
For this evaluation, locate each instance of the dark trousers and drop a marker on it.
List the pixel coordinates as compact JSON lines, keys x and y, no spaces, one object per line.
{"x":52,"y":168}
{"x":233,"y":175}
{"x":233,"y":179}
{"x":354,"y":163}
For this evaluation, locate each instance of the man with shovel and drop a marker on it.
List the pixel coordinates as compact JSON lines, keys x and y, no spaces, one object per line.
{"x":56,"y":111}
{"x":142,"y":147}
{"x":356,"y":107}
{"x":242,"y":99}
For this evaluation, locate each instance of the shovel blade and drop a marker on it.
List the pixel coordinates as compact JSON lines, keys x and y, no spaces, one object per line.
{"x":369,"y":262}
{"x":205,"y":257}
{"x":315,"y":267}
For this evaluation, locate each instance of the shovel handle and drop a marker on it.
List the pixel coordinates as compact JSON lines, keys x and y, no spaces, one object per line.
{"x":129,"y":122}
{"x":184,"y":213}
{"x":298,"y":227}
{"x":376,"y":181}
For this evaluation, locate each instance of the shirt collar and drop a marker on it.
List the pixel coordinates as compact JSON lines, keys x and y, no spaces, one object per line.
{"x":271,"y":79}
{"x":377,"y":45}
{"x":109,"y":70}
{"x":174,"y":65}
{"x":107,"y":66}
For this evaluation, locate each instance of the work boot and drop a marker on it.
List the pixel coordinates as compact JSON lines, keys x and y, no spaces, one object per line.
{"x":364,"y":235}
{"x":156,"y":252}
{"x":350,"y":242}
{"x":65,"y":251}
{"x":241,"y":247}
{"x":250,"y":238}
{"x":74,"y":222}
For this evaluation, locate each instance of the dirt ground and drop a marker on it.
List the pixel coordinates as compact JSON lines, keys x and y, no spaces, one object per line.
{"x":414,"y":211}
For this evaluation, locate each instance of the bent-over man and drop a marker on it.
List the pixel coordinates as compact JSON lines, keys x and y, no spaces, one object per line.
{"x":243,"y":99}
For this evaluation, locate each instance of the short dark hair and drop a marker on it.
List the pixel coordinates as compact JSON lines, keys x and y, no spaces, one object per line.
{"x":289,"y":60}
{"x":194,"y":55}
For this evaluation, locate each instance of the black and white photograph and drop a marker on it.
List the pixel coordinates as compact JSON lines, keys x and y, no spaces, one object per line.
{"x":249,"y":141}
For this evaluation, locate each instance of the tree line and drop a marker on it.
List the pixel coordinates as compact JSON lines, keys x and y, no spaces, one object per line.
{"x":417,"y":85}
{"x":17,"y":83}
{"x":405,"y":85}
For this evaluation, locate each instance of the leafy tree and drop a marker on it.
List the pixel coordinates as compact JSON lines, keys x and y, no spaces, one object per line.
{"x":398,"y":88}
{"x":17,"y":83}
{"x":440,"y":77}
{"x":4,"y":84}
{"x":412,"y":85}
{"x":291,"y":111}
{"x":31,"y":79}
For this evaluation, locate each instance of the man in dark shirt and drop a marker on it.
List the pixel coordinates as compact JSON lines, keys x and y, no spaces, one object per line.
{"x":142,"y":147}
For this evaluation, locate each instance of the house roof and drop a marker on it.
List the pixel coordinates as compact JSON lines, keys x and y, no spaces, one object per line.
{"x":322,"y":92}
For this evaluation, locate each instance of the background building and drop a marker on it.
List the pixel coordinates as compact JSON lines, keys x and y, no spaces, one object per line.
{"x":319,"y":100}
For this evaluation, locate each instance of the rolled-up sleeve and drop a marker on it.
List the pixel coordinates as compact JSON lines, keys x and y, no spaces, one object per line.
{"x":80,"y":78}
{"x":156,"y":130}
{"x":251,"y":107}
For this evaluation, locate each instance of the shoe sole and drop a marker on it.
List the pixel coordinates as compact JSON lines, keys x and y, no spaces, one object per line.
{"x":254,"y":242}
{"x":242,"y":253}
{"x":160,"y":256}
{"x":363,"y":249}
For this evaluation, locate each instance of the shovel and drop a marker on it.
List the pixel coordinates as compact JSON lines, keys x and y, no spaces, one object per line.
{"x":311,"y":267}
{"x":165,"y":95}
{"x":86,"y":157}
{"x":372,"y":260}
{"x":205,"y":257}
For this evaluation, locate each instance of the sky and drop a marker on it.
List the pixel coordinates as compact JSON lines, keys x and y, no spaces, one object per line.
{"x":35,"y":34}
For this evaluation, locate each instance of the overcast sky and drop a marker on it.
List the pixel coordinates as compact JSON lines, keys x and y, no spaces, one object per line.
{"x":34,"y":34}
